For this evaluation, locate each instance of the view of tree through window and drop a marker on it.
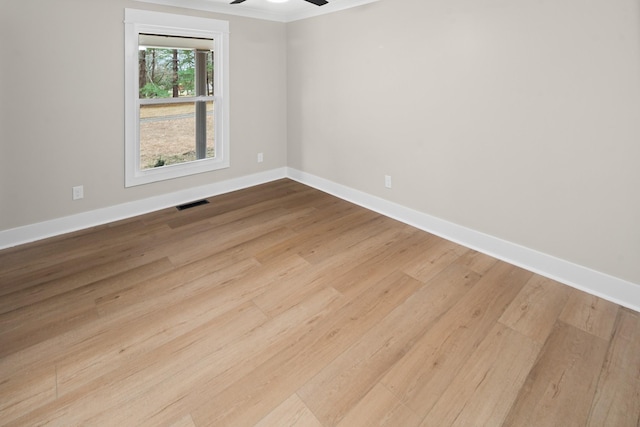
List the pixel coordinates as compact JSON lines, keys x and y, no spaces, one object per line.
{"x":176,"y":91}
{"x":176,"y":96}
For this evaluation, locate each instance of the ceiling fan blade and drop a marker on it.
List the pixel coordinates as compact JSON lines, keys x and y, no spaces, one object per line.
{"x":316,"y":2}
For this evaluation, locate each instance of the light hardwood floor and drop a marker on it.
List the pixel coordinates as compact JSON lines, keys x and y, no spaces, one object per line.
{"x":280,"y":305}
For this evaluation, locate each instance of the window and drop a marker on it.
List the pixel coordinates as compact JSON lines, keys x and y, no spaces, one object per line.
{"x":176,"y":96}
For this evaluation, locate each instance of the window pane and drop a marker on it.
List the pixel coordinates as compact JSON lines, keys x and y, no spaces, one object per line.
{"x":168,"y":134}
{"x":170,"y":73}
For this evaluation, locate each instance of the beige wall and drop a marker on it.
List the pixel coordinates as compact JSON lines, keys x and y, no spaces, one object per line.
{"x":519,"y":119}
{"x":62,"y":106}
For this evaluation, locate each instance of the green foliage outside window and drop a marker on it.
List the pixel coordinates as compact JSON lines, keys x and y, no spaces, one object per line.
{"x":166,"y":73}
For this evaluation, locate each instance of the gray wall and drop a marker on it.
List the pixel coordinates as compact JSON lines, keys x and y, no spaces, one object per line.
{"x":519,"y":119}
{"x":62,"y":101}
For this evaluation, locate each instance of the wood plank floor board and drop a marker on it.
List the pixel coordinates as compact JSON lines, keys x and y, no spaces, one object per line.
{"x":380,"y":407}
{"x":441,"y":254}
{"x":344,"y":240}
{"x":325,"y":214}
{"x":85,"y":283}
{"x":208,"y":216}
{"x":421,"y":377}
{"x":29,"y":334}
{"x":312,"y":198}
{"x":33,"y":259}
{"x":127,"y":305}
{"x":19,"y":394}
{"x":236,"y":204}
{"x":206,"y":243}
{"x":290,"y":413}
{"x":287,"y":293}
{"x":477,"y":261}
{"x":185,"y":421}
{"x":90,"y":266}
{"x":205,"y":380}
{"x":394,"y":255}
{"x":180,"y":282}
{"x":312,"y":236}
{"x":161,"y":326}
{"x":34,"y":308}
{"x":281,"y":305}
{"x":536,"y":308}
{"x":111,"y":330}
{"x":590,"y":313}
{"x":487,"y":384}
{"x":225,"y":211}
{"x":248,"y":400}
{"x":571,"y":360}
{"x":108,"y":392}
{"x":116,"y":397}
{"x":344,"y":381}
{"x":617,"y":399}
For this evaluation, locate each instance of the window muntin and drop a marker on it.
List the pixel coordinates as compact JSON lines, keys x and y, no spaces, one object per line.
{"x":176,"y":110}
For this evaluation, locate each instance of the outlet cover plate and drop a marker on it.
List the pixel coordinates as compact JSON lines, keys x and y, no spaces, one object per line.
{"x":78,"y":192}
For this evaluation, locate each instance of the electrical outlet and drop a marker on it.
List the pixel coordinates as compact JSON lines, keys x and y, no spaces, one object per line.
{"x":387,"y":181}
{"x":260,"y":157}
{"x":78,"y":192}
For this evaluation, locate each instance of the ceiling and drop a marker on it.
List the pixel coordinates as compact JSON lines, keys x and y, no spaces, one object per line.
{"x":290,"y":10}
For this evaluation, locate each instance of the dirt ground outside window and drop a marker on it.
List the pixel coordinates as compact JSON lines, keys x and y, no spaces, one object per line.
{"x":167,"y":134}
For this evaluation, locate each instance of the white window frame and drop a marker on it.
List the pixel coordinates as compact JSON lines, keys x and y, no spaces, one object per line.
{"x":143,"y":21}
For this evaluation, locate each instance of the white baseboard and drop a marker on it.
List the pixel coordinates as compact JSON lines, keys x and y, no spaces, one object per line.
{"x":54,"y":227}
{"x":594,"y":282}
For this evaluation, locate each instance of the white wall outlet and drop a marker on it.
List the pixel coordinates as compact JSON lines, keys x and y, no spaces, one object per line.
{"x":260,"y":157}
{"x":78,"y":192}
{"x":387,"y":181}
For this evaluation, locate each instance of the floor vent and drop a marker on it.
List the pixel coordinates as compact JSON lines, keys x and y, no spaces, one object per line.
{"x":192,"y":205}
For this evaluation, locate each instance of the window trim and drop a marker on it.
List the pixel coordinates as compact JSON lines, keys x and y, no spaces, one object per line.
{"x":142,"y":21}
